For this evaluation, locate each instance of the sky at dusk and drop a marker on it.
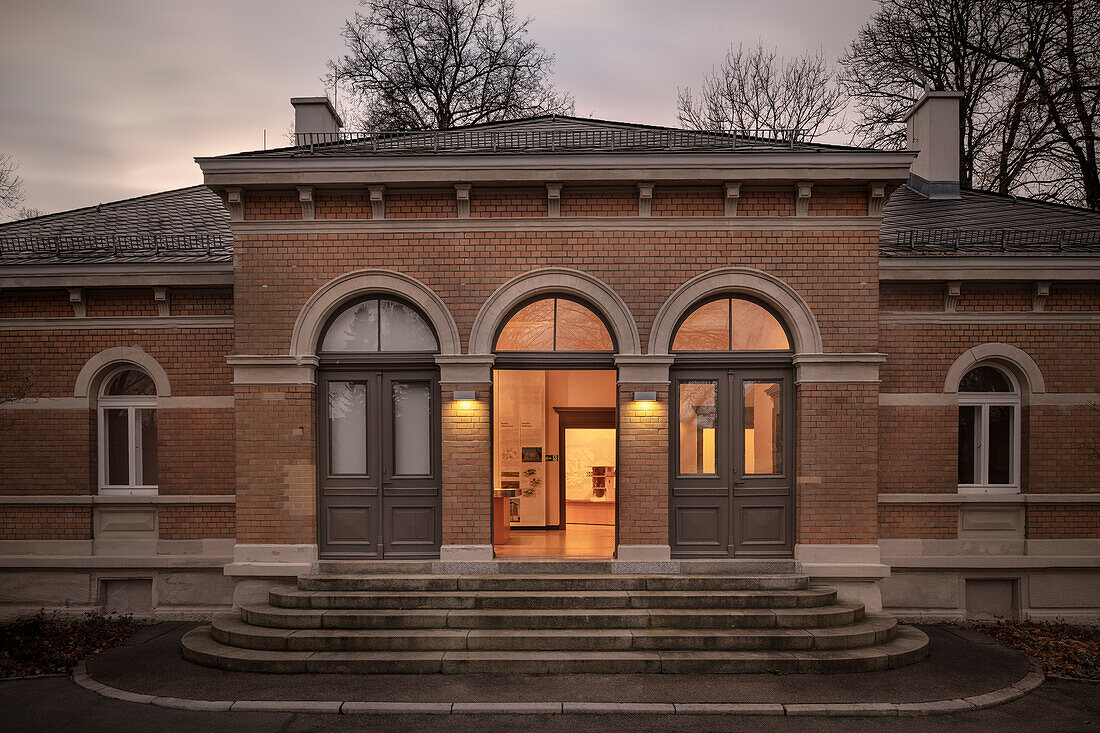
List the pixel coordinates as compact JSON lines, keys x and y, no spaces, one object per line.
{"x":107,"y":99}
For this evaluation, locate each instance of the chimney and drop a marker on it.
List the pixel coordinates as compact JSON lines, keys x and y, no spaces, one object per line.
{"x":933,"y":129}
{"x":315,"y":115}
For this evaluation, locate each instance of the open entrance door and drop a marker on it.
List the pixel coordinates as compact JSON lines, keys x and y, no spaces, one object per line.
{"x":555,"y":464}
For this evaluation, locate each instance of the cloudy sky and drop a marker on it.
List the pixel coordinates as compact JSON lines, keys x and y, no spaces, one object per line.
{"x":106,"y":99}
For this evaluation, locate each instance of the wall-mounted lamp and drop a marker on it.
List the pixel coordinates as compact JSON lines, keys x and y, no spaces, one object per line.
{"x":645,"y":396}
{"x":465,"y":395}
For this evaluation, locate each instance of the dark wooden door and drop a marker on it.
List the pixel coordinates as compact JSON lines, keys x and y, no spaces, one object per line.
{"x":731,"y":444}
{"x":379,"y":463}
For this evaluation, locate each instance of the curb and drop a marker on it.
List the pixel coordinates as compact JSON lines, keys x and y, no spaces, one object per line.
{"x":1016,"y":690}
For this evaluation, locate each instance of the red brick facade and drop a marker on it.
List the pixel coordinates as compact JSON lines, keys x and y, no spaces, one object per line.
{"x":262,"y":449}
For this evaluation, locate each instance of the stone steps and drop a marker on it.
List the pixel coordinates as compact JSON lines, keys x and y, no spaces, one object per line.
{"x":908,"y":646}
{"x":556,"y":599}
{"x":553,"y":617}
{"x":233,"y":631}
{"x":566,"y":618}
{"x":559,"y":582}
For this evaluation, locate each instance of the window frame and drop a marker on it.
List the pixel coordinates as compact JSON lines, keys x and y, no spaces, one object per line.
{"x":554,"y":353}
{"x":131,"y":404}
{"x":762,"y":355}
{"x":984,"y":401}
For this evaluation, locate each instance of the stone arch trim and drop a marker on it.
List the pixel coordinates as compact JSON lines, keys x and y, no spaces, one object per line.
{"x":560,"y":281}
{"x":1015,"y":359}
{"x":790,"y":306}
{"x":87,"y":381}
{"x":331,"y":296}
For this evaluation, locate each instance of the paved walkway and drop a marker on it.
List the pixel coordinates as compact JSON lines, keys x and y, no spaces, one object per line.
{"x":962,"y":663}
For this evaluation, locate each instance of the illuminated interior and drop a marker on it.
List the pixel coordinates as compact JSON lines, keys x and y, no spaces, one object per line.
{"x":546,"y":516}
{"x":730,"y":324}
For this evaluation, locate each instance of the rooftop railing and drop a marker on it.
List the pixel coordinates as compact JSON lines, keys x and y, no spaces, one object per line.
{"x":101,"y":245}
{"x":452,"y":141}
{"x":910,"y":242}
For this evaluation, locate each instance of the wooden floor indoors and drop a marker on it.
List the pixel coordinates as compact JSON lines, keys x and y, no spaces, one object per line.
{"x":576,"y":540}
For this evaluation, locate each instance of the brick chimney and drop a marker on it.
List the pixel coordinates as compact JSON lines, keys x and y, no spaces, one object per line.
{"x":933,"y":129}
{"x":315,"y":114}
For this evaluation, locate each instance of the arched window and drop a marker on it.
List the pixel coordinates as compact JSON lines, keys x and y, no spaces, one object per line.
{"x":730,"y":324}
{"x":989,"y":430}
{"x":127,"y":408}
{"x":379,"y":324}
{"x":554,"y":324}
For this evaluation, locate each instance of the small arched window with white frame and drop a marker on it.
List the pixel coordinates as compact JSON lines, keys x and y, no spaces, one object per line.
{"x":127,"y":407}
{"x":989,"y":431}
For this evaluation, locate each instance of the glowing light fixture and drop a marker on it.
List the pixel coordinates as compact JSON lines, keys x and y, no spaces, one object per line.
{"x":645,"y":396}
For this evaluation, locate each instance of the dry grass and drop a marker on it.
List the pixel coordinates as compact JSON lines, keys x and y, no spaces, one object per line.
{"x":1064,"y":650}
{"x":44,"y":644}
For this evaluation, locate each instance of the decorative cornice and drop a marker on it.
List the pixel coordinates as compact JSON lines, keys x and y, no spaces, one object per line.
{"x":95,"y":499}
{"x":116,"y":274}
{"x":564,"y":224}
{"x":1092,"y":497}
{"x":876,"y":197}
{"x":647,"y":369}
{"x":465,"y":369}
{"x":902,"y":318}
{"x":553,"y":200}
{"x":462,"y":197}
{"x":802,"y":192}
{"x":234,"y":201}
{"x":645,"y":198}
{"x":377,"y":194}
{"x":837,"y":368}
{"x":988,"y":267}
{"x":257,"y":369}
{"x":124,"y":323}
{"x":305,"y":197}
{"x":76,"y":298}
{"x":733,"y":194}
{"x":951,"y":293}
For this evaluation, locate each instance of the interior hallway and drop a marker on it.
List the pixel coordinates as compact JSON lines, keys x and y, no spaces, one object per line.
{"x":575,"y":541}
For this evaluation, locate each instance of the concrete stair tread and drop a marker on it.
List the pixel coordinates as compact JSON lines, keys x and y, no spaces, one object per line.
{"x":547,"y":599}
{"x":827,"y":615}
{"x":909,"y":646}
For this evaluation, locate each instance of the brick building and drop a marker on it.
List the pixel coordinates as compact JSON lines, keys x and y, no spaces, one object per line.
{"x":556,"y":337}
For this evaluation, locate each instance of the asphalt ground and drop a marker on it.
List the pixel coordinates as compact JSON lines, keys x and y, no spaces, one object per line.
{"x":57,"y":704}
{"x":961,"y":663}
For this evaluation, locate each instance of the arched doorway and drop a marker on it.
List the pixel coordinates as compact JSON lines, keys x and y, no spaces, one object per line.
{"x":378,"y":432}
{"x":554,"y":431}
{"x":731,"y":431}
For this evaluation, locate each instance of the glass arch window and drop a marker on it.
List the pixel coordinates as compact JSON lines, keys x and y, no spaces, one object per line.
{"x":554,"y":324}
{"x":378,"y":324}
{"x":989,"y":430}
{"x":730,"y":324}
{"x":127,"y":408}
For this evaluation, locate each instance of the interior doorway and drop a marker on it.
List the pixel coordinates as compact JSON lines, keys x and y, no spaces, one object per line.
{"x":555,"y":463}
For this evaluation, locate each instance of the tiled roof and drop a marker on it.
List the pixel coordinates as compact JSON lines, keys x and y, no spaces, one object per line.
{"x":183,"y":225}
{"x":981,"y":222}
{"x":543,"y":134}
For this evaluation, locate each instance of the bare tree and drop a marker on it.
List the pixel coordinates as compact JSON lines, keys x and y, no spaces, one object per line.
{"x":1010,"y":61}
{"x":757,"y":89}
{"x":11,"y":184}
{"x":909,"y":46}
{"x":1054,"y":45}
{"x":422,"y":64}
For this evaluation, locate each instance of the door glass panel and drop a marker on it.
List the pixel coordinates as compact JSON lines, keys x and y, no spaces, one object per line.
{"x":118,"y":447}
{"x":706,"y":329}
{"x":1000,"y":444}
{"x":698,"y":420}
{"x":347,"y":428}
{"x":763,"y":421}
{"x":403,"y":329}
{"x":579,"y":329}
{"x":147,"y":448}
{"x":412,"y":433}
{"x":356,"y":329}
{"x":755,"y":328}
{"x":969,"y":428}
